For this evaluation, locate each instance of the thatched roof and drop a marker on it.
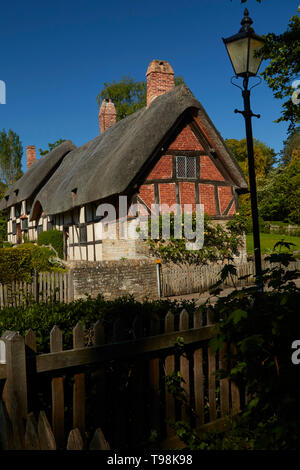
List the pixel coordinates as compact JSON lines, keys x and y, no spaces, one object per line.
{"x":33,"y":180}
{"x":108,"y":164}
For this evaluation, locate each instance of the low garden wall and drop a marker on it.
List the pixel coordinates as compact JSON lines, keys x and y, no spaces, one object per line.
{"x":115,"y":278}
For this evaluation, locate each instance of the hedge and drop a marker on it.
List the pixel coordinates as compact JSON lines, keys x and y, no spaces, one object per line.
{"x":19,"y":263}
{"x":54,"y":238}
{"x":42,"y":317}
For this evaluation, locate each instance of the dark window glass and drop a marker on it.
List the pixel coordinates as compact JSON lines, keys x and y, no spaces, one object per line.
{"x":24,"y":224}
{"x":14,"y":227}
{"x":186,"y":167}
{"x":39,"y":229}
{"x":28,"y":207}
{"x":82,"y":234}
{"x":180,"y":164}
{"x":191,"y":167}
{"x":17,"y":210}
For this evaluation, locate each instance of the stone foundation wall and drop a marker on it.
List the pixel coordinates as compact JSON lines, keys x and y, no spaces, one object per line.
{"x":115,"y":278}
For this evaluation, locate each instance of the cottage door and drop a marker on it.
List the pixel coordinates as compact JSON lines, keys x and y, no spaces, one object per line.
{"x":19,"y":234}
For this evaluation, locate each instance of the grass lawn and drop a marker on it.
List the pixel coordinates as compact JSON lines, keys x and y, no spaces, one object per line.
{"x":268,"y":240}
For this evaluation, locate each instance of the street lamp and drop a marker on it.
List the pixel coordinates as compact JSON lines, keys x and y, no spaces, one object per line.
{"x":242,"y":49}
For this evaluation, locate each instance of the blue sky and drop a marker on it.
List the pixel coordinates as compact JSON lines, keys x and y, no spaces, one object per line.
{"x":55,"y":57}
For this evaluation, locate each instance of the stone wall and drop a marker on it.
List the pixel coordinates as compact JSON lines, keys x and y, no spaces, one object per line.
{"x":115,"y":278}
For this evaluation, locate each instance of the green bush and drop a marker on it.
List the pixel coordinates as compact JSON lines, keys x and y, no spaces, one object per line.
{"x":42,"y":317}
{"x":20,"y":262}
{"x":53,"y":238}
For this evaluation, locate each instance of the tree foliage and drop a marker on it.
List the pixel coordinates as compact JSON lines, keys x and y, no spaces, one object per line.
{"x":128,"y":95}
{"x":220,"y":242}
{"x":11,"y":151}
{"x":283,"y":52}
{"x":51,"y":147}
{"x":291,"y":144}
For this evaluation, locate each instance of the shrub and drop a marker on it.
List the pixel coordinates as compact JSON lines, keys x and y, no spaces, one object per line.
{"x":42,"y":317}
{"x":19,"y":263}
{"x":53,"y":238}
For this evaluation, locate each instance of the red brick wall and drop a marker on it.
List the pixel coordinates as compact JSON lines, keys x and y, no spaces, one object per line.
{"x":187,"y":194}
{"x":225,"y":196}
{"x":186,"y":140}
{"x":232,"y":210}
{"x":162,"y":169}
{"x":167,"y":193}
{"x":147,"y":194}
{"x":208,"y":170}
{"x":30,"y":155}
{"x":207,"y":197}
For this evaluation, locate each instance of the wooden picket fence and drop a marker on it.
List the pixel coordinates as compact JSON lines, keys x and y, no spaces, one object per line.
{"x":113,"y":380}
{"x":44,"y":287}
{"x":189,"y":279}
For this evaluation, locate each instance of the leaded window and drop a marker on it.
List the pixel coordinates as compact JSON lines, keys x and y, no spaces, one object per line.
{"x":186,"y":167}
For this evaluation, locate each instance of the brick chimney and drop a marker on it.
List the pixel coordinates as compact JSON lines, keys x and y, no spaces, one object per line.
{"x":160,"y":79}
{"x":107,"y":115}
{"x":30,"y":155}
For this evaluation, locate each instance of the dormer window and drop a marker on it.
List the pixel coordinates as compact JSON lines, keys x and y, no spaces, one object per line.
{"x":186,"y":167}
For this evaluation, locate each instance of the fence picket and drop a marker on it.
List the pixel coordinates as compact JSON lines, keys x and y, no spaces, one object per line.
{"x":46,"y":437}
{"x":211,"y":375}
{"x":198,"y":375}
{"x":56,"y":345}
{"x":75,"y":441}
{"x":79,"y":384}
{"x":138,"y":392}
{"x":154,"y":388}
{"x":169,"y":369}
{"x":184,"y":365}
{"x":32,"y":441}
{"x":100,"y":377}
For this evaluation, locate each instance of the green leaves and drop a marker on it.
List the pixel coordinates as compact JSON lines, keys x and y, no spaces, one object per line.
{"x":237,"y":315}
{"x":283,"y":52}
{"x":11,"y":152}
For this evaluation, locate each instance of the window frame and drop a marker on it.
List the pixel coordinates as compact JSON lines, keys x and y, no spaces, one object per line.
{"x":186,"y":157}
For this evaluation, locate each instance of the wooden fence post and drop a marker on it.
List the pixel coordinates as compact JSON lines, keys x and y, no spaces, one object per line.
{"x":35,"y":289}
{"x":70,"y":286}
{"x":15,"y":394}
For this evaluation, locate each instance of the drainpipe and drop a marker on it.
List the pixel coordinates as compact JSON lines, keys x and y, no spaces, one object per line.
{"x":158,"y":268}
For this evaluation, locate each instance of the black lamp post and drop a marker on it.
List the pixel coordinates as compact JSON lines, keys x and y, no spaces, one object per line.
{"x":242,"y":48}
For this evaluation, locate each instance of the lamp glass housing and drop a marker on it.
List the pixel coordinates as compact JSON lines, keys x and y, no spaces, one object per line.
{"x":242,"y":49}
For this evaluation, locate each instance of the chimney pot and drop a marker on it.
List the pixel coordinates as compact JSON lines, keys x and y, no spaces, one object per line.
{"x":160,"y":79}
{"x":30,"y":155}
{"x":107,"y":115}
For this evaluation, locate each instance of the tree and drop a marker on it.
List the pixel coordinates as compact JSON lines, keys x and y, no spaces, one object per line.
{"x":51,"y":147}
{"x":264,"y":156}
{"x":283,"y":51}
{"x":128,"y":95}
{"x":291,"y":144}
{"x":11,"y":151}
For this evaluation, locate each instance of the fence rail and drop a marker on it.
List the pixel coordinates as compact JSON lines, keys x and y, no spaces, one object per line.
{"x":174,"y":280}
{"x":44,"y":287}
{"x":184,"y":279}
{"x":119,"y":386}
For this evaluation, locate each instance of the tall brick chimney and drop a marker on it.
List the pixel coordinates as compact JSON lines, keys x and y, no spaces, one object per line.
{"x":30,"y":155}
{"x":160,"y":79}
{"x":107,"y":115}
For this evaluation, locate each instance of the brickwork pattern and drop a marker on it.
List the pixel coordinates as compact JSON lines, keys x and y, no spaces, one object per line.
{"x":225,"y":196}
{"x":207,"y":197}
{"x":186,"y":140}
{"x":208,"y":170}
{"x":162,"y":169}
